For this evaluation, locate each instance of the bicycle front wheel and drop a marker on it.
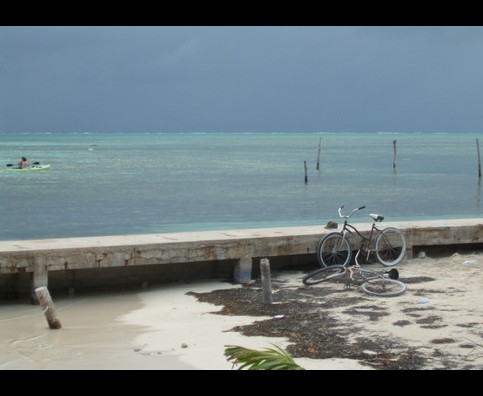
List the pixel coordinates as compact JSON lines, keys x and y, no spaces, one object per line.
{"x":390,"y":246}
{"x":334,"y":249}
{"x":323,"y":274}
{"x":384,"y":287}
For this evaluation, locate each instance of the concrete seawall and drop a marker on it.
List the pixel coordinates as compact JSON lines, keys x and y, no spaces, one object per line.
{"x":77,"y":263}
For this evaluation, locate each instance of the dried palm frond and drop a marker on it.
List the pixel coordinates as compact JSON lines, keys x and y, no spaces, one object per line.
{"x":269,"y":359}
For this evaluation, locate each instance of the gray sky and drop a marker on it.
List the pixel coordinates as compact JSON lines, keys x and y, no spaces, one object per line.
{"x":275,"y":78}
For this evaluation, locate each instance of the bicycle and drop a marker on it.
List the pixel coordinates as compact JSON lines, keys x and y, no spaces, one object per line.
{"x":388,"y":244}
{"x":372,"y":283}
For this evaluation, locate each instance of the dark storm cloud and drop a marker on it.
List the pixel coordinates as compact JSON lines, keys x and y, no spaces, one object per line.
{"x":240,"y":78}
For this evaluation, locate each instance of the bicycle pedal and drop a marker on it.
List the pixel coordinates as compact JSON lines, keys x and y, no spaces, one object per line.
{"x":393,"y":274}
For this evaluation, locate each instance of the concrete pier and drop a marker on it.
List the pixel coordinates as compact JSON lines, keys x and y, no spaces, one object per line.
{"x":146,"y":259}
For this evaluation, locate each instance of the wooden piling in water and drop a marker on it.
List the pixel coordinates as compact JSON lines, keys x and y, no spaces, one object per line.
{"x":266,"y":281}
{"x":479,"y":160}
{"x":318,"y":154}
{"x":305,"y":169}
{"x":48,"y":306}
{"x":394,"y":142}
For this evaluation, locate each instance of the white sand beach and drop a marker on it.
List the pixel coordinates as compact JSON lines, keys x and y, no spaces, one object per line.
{"x":163,"y":328}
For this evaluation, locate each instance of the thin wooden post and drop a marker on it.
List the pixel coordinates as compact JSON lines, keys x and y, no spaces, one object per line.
{"x":305,"y":169}
{"x":394,"y":142}
{"x":479,"y":161}
{"x":266,"y":281}
{"x":48,"y":306}
{"x":318,"y":154}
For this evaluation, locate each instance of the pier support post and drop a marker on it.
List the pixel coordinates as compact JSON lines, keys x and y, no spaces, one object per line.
{"x":243,"y":270}
{"x":266,"y":281}
{"x":40,"y":278}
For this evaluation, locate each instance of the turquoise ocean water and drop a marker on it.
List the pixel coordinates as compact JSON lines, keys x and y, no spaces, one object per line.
{"x":137,"y":183}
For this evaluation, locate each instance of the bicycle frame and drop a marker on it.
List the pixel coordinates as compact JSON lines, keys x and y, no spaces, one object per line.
{"x":354,"y":233}
{"x":388,"y":244}
{"x":371,"y":283}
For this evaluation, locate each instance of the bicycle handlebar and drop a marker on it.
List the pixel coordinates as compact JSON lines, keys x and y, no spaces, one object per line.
{"x":348,"y":216}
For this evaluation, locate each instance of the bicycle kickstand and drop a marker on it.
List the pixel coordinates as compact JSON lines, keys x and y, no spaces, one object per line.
{"x":357,"y":256}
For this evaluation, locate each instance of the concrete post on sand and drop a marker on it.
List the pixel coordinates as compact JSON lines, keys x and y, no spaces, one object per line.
{"x":48,"y":306}
{"x":266,"y":280}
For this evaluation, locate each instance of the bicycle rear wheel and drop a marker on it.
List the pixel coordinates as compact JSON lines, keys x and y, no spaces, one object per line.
{"x":390,"y":246}
{"x":384,"y":287}
{"x":323,"y":274}
{"x":334,"y":249}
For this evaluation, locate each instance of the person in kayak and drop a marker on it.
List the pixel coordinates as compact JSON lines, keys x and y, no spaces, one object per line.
{"x":23,"y":163}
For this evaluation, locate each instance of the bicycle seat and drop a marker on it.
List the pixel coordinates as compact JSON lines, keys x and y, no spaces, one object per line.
{"x":377,"y":217}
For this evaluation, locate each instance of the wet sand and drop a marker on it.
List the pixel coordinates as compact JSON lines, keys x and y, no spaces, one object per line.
{"x":164,"y":328}
{"x":154,"y":329}
{"x":151,"y":329}
{"x":92,"y":336}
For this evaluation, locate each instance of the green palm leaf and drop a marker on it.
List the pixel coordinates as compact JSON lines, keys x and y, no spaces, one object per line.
{"x":269,"y":359}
